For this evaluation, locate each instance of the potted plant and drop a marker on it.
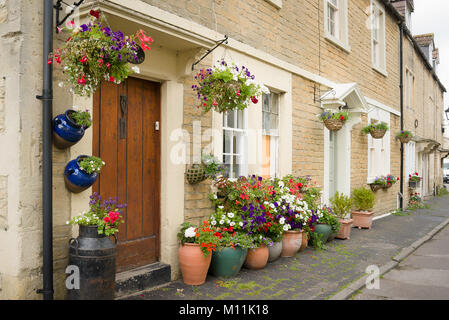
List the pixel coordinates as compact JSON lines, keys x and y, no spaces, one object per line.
{"x":258,"y":253}
{"x":404,"y":136}
{"x":341,"y":205}
{"x":69,"y":127}
{"x":230,"y":253}
{"x":363,"y":202}
{"x":195,"y":173}
{"x":82,"y":172}
{"x":93,"y":252}
{"x":327,"y":226}
{"x":414,"y":180}
{"x":195,"y":252}
{"x":226,"y":87}
{"x":333,"y":121}
{"x":94,"y":53}
{"x":376,"y":130}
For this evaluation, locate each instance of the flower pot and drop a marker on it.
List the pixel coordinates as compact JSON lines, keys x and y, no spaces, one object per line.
{"x":375,"y":187}
{"x":274,"y":251}
{"x":332,"y":236}
{"x":95,"y":257}
{"x":195,"y":174}
{"x":333,"y":124}
{"x":77,"y":180}
{"x":304,"y":241}
{"x":65,"y":131}
{"x":257,"y":258}
{"x":362,"y":219}
{"x":345,"y":229}
{"x":323,"y":231}
{"x":194,"y":265}
{"x":291,"y":242}
{"x":377,"y":134}
{"x":227,"y":262}
{"x":405,"y":139}
{"x":413,"y":184}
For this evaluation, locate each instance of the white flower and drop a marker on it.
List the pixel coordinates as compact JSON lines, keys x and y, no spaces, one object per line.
{"x":220,"y":207}
{"x":213,"y":222}
{"x":215,"y":196}
{"x":61,"y":84}
{"x":282,"y":220}
{"x":285,"y":227}
{"x":231,"y":215}
{"x":241,"y":223}
{"x":190,"y":232}
{"x":281,"y":184}
{"x":232,"y":223}
{"x":221,"y":221}
{"x":136,"y":69}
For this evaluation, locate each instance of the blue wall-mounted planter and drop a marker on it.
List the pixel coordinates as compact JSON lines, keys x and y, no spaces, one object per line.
{"x":77,"y":180}
{"x":65,"y":131}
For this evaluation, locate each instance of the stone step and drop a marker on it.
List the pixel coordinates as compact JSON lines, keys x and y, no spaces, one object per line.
{"x":142,"y":278}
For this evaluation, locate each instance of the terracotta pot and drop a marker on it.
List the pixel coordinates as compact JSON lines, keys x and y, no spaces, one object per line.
{"x":345,"y":229}
{"x":304,"y":241}
{"x":291,"y":242}
{"x":362,"y":219}
{"x":257,"y":258}
{"x":194,"y":265}
{"x":274,"y":252}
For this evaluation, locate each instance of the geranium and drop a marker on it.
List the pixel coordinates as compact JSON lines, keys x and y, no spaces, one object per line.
{"x":414,"y":177}
{"x":94,"y":53}
{"x":103,"y":213}
{"x":329,"y":114}
{"x":226,"y":87}
{"x":202,"y":235}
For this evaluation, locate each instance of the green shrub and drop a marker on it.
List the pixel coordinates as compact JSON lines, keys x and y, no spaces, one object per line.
{"x":341,"y":204}
{"x":377,"y":126}
{"x":363,"y":199}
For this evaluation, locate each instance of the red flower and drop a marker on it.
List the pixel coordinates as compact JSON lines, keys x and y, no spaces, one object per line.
{"x":238,"y":93}
{"x":94,"y":13}
{"x":83,"y":59}
{"x":398,"y":179}
{"x":106,"y":219}
{"x":50,"y":61}
{"x":111,"y":79}
{"x":82,"y":80}
{"x":254,"y":100}
{"x":342,"y":117}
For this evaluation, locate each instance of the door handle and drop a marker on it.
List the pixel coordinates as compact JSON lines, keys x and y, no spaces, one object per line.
{"x":156,"y":126}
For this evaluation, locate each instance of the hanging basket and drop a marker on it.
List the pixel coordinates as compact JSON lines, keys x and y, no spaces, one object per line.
{"x":377,"y":134}
{"x":405,"y":139}
{"x":375,"y":187}
{"x":333,"y":124}
{"x":195,"y":174}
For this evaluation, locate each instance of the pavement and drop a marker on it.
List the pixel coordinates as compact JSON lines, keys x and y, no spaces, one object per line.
{"x":340,"y":272}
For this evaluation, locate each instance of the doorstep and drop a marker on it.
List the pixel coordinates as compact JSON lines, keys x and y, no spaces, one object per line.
{"x":142,"y":278}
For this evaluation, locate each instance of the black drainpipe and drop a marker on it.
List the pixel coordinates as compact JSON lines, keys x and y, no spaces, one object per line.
{"x":47,"y":112}
{"x":401,"y":86}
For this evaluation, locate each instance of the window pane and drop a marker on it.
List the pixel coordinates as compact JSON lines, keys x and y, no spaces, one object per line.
{"x":227,"y":136}
{"x":266,"y":102}
{"x":274,"y":122}
{"x":266,"y":120}
{"x":240,"y":119}
{"x":334,"y":2}
{"x":230,"y":119}
{"x":275,"y":103}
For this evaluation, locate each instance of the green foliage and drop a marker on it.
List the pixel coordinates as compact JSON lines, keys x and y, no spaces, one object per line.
{"x":202,"y":235}
{"x":404,"y":134}
{"x":377,"y":126}
{"x":341,"y":205}
{"x":91,"y":164}
{"x":213,"y":168}
{"x":327,"y":216}
{"x":363,"y":199}
{"x":81,"y":118}
{"x":442,"y":191}
{"x":328,"y":114}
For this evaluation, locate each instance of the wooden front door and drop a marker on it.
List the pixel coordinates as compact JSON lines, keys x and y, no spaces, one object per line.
{"x":127,"y":138}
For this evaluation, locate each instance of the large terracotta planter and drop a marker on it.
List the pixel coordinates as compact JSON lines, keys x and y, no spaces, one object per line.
{"x":345,"y":229}
{"x":362,"y":219}
{"x":323,"y":231}
{"x":193,"y":264}
{"x":304,"y":241}
{"x":257,"y":258}
{"x":291,"y":242}
{"x":227,"y":262}
{"x":274,"y":251}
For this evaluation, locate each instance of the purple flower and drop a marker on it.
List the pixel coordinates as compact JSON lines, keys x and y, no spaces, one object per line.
{"x":84,"y":28}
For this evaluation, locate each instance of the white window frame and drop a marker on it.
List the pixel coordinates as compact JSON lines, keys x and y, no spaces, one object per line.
{"x":242,"y":151}
{"x":410,"y":159}
{"x":340,"y":36}
{"x":378,"y":47}
{"x":275,"y":137}
{"x":379,"y":163}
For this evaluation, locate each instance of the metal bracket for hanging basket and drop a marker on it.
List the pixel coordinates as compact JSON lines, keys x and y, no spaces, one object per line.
{"x":58,"y":7}
{"x":219,"y":43}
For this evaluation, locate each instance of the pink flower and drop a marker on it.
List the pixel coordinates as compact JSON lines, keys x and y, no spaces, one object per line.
{"x":82,"y":80}
{"x":83,"y":59}
{"x":111,"y":79}
{"x":238,"y":93}
{"x":215,"y":103}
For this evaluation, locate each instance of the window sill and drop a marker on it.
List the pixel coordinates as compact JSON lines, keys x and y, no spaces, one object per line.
{"x":275,"y":3}
{"x":381,"y":71}
{"x":337,"y":42}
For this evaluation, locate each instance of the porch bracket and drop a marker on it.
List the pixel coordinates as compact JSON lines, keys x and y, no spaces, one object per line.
{"x":219,"y":43}
{"x":58,"y":8}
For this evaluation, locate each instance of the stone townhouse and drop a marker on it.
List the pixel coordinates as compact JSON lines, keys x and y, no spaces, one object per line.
{"x":311,"y":54}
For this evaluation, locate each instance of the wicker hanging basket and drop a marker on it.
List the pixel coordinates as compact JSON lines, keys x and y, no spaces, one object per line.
{"x":195,"y":174}
{"x":375,"y":187}
{"x":377,"y":134}
{"x":334,"y":124}
{"x":405,"y":139}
